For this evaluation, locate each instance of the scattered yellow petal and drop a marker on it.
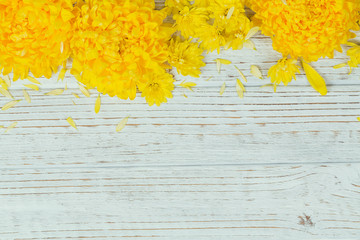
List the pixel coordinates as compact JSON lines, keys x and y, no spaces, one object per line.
{"x":84,"y":90}
{"x":222,"y":89}
{"x":341,"y":65}
{"x":122,"y":124}
{"x":71,"y":122}
{"x":6,"y":93}
{"x":240,"y":89}
{"x":13,"y":125}
{"x":1,"y":126}
{"x":55,"y":92}
{"x":73,"y":102}
{"x":62,"y":74}
{"x":256,"y":71}
{"x":10,"y":105}
{"x":249,"y":44}
{"x":241,"y":74}
{"x":187,"y":85}
{"x":209,"y":78}
{"x":26,"y":96}
{"x":220,"y":61}
{"x":33,"y":80}
{"x":358,"y":119}
{"x":230,"y":12}
{"x":314,"y":78}
{"x":75,"y":95}
{"x":252,"y":32}
{"x":3,"y":84}
{"x":267,"y":85}
{"x":185,"y":95}
{"x":7,"y":80}
{"x":32,"y":86}
{"x":98,"y":104}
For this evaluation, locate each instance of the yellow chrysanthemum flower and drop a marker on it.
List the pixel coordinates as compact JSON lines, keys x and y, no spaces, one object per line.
{"x":307,"y":29}
{"x":186,"y":57}
{"x":34,"y":36}
{"x":214,"y":23}
{"x":118,"y":44}
{"x":157,"y":87}
{"x":189,"y":19}
{"x":284,"y":71}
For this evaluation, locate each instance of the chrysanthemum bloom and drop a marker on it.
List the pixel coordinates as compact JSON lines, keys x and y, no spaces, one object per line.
{"x":307,"y":29}
{"x":214,"y":23}
{"x":34,"y":36}
{"x":119,"y":46}
{"x":186,"y":57}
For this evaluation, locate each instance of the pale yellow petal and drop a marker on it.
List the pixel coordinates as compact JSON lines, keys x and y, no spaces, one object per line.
{"x":222,"y":89}
{"x":75,"y":95}
{"x":13,"y":125}
{"x":3,"y":84}
{"x":33,"y":80}
{"x":255,"y":70}
{"x":240,"y":89}
{"x":230,"y":12}
{"x":32,"y":86}
{"x":252,"y":32}
{"x":314,"y":78}
{"x":71,"y":122}
{"x":249,"y":44}
{"x":55,"y":92}
{"x":6,"y":93}
{"x":84,"y":90}
{"x":26,"y":96}
{"x":241,"y":74}
{"x":10,"y":105}
{"x":97,"y":104}
{"x":122,"y":124}
{"x":7,"y":80}
{"x":341,"y":65}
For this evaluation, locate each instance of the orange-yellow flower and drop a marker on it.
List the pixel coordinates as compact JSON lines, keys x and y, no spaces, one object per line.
{"x":309,"y":29}
{"x":306,"y":29}
{"x":118,"y":44}
{"x":34,"y":36}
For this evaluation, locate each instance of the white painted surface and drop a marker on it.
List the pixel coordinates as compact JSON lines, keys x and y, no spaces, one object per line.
{"x":202,"y":167}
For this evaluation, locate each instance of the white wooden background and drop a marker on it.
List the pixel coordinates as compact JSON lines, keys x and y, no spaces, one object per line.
{"x":282,"y":165}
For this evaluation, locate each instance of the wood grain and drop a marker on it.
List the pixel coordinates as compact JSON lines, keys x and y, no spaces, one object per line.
{"x":282,"y":165}
{"x":222,"y":202}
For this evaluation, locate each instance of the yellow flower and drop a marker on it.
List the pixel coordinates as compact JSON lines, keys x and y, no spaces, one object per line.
{"x":354,"y":54}
{"x":284,"y":71}
{"x":34,"y":36}
{"x":214,"y":23}
{"x":237,"y":30}
{"x":306,"y":29}
{"x":189,"y":19}
{"x":117,"y":44}
{"x":309,"y":29}
{"x":186,"y":57}
{"x":226,"y":8}
{"x":157,"y":88}
{"x":174,"y":6}
{"x":213,"y":37}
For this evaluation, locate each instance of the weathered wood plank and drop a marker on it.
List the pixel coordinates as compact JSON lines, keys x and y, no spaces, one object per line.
{"x":197,"y":202}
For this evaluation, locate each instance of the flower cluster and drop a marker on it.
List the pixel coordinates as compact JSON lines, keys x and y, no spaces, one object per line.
{"x":213,"y":23}
{"x":120,"y":47}
{"x":306,"y":29}
{"x":34,"y":36}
